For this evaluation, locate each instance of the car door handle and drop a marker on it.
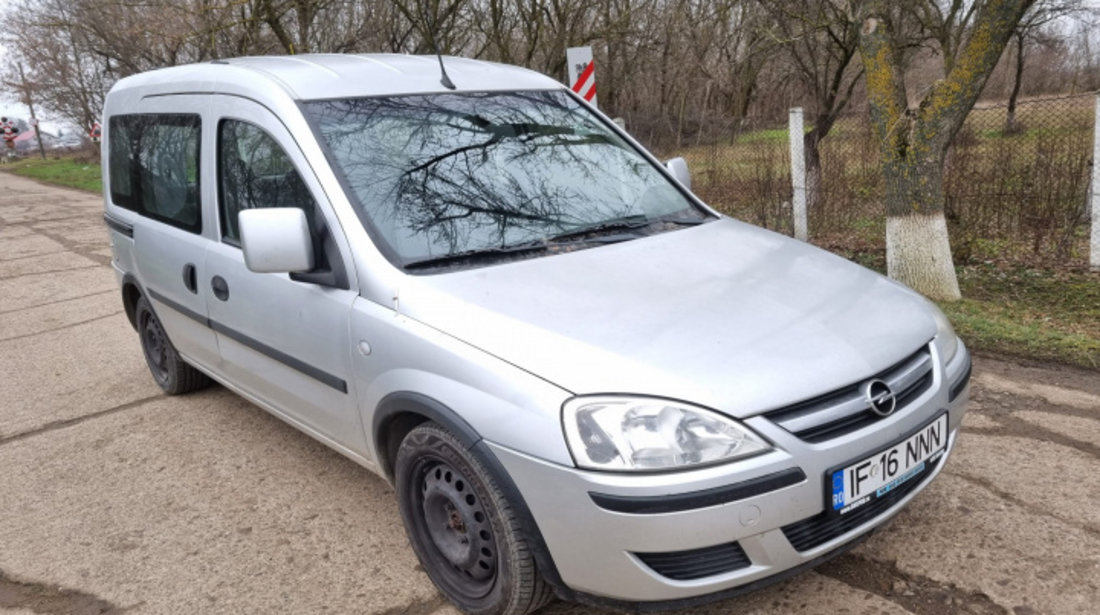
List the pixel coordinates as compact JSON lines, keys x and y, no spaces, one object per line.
{"x":220,"y":287}
{"x":190,"y":278}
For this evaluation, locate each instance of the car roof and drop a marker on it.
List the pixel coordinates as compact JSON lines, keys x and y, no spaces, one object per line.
{"x":323,"y":76}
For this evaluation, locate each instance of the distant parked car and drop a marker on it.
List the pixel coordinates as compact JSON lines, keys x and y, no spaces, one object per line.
{"x":70,"y":140}
{"x":580,"y":379}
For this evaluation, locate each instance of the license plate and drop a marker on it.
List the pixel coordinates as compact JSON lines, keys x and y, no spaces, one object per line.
{"x":873,"y":477}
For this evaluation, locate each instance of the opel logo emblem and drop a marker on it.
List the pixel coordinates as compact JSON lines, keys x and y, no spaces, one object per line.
{"x":880,"y":397}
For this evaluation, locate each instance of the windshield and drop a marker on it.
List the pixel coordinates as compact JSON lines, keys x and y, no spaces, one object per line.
{"x":438,"y":178}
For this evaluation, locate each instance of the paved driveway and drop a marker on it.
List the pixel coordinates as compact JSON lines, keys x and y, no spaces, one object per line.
{"x":116,"y":498}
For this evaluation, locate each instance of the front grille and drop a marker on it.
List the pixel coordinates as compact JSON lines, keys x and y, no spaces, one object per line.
{"x":820,"y":529}
{"x":697,"y":563}
{"x":846,"y":410}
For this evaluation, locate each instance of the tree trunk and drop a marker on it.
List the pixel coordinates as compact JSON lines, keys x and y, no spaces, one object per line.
{"x":918,"y":252}
{"x":273,"y":20}
{"x":813,"y":181}
{"x":813,"y":172}
{"x":913,"y":142}
{"x":1010,"y":118}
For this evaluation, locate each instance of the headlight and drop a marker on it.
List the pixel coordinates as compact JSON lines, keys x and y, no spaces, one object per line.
{"x":949,"y":342}
{"x":644,"y":434}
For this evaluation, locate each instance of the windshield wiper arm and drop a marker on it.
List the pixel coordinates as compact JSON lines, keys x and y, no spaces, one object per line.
{"x":480,"y":254}
{"x":628,"y":223}
{"x":611,"y":231}
{"x":619,"y":225}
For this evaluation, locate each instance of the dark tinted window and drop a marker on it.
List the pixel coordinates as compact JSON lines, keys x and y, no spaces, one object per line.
{"x":450,"y":174}
{"x":154,"y":167}
{"x":254,"y":171}
{"x":121,"y":162}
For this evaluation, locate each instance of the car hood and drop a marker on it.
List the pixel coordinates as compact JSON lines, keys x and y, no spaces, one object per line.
{"x":725,"y":315}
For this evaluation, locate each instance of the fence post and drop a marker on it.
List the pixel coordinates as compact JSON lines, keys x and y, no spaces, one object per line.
{"x":1094,"y":192}
{"x":798,"y":175}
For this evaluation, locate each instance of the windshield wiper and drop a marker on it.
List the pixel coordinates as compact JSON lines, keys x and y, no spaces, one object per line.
{"x":480,"y":254}
{"x":611,"y":231}
{"x":685,"y":221}
{"x":619,"y":226}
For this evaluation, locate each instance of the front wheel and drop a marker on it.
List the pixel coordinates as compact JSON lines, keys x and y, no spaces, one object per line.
{"x":462,"y":527}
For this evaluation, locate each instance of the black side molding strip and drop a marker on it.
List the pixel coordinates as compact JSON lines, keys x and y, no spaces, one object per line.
{"x":294,"y":363}
{"x":179,"y":308}
{"x":118,"y":225}
{"x":319,"y":375}
{"x":651,"y":505}
{"x":960,"y":384}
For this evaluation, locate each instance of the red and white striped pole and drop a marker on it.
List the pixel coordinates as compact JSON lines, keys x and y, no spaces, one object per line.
{"x":582,"y":72}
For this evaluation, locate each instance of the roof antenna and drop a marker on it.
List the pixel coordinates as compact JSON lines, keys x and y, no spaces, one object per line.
{"x":445,"y":80}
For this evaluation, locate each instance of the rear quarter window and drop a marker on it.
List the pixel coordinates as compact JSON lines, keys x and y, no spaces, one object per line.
{"x":154,"y":167}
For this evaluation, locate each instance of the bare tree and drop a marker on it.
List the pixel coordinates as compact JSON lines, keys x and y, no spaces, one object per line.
{"x":913,"y":142}
{"x":1030,"y":33}
{"x":743,"y":50}
{"x":55,"y":51}
{"x":533,"y":33}
{"x":679,"y":68}
{"x":821,"y":38}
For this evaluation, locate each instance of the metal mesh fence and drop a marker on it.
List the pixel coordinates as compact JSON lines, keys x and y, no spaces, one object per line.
{"x":1015,"y":184}
{"x":742,"y":169}
{"x":1022,"y":187}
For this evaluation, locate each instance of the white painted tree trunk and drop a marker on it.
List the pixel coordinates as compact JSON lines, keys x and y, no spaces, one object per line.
{"x":918,"y":254}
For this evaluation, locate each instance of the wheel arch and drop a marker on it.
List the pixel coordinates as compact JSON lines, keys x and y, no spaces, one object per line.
{"x":131,"y":292}
{"x":400,"y":412}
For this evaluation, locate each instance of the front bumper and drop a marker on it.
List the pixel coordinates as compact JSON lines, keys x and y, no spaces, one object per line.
{"x":613,"y":555}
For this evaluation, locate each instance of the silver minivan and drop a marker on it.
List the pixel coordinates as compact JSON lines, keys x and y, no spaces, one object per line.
{"x":580,"y":380}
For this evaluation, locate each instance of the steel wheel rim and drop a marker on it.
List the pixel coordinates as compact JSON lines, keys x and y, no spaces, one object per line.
{"x":457,"y":526}
{"x":155,"y":345}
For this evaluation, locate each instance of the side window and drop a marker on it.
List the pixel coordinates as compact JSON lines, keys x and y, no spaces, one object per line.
{"x":254,"y":171}
{"x":120,"y":163}
{"x":154,"y":167}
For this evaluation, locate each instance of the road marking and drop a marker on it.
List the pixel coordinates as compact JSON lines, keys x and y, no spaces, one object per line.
{"x":47,"y":271}
{"x":56,"y":301}
{"x":55,"y":425}
{"x":62,"y":327}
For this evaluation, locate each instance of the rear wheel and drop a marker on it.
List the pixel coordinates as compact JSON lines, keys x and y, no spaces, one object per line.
{"x":169,"y":370}
{"x":463,"y":528}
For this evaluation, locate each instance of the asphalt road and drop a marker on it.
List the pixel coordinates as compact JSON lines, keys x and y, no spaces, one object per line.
{"x":115,"y":498}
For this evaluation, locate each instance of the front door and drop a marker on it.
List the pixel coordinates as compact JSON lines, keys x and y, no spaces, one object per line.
{"x":282,"y":341}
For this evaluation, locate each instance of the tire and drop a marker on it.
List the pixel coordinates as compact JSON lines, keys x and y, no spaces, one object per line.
{"x":463,"y":528}
{"x":169,"y":370}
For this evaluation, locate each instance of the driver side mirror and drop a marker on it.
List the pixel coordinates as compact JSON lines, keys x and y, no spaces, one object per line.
{"x":276,"y":240}
{"x":679,"y":169}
